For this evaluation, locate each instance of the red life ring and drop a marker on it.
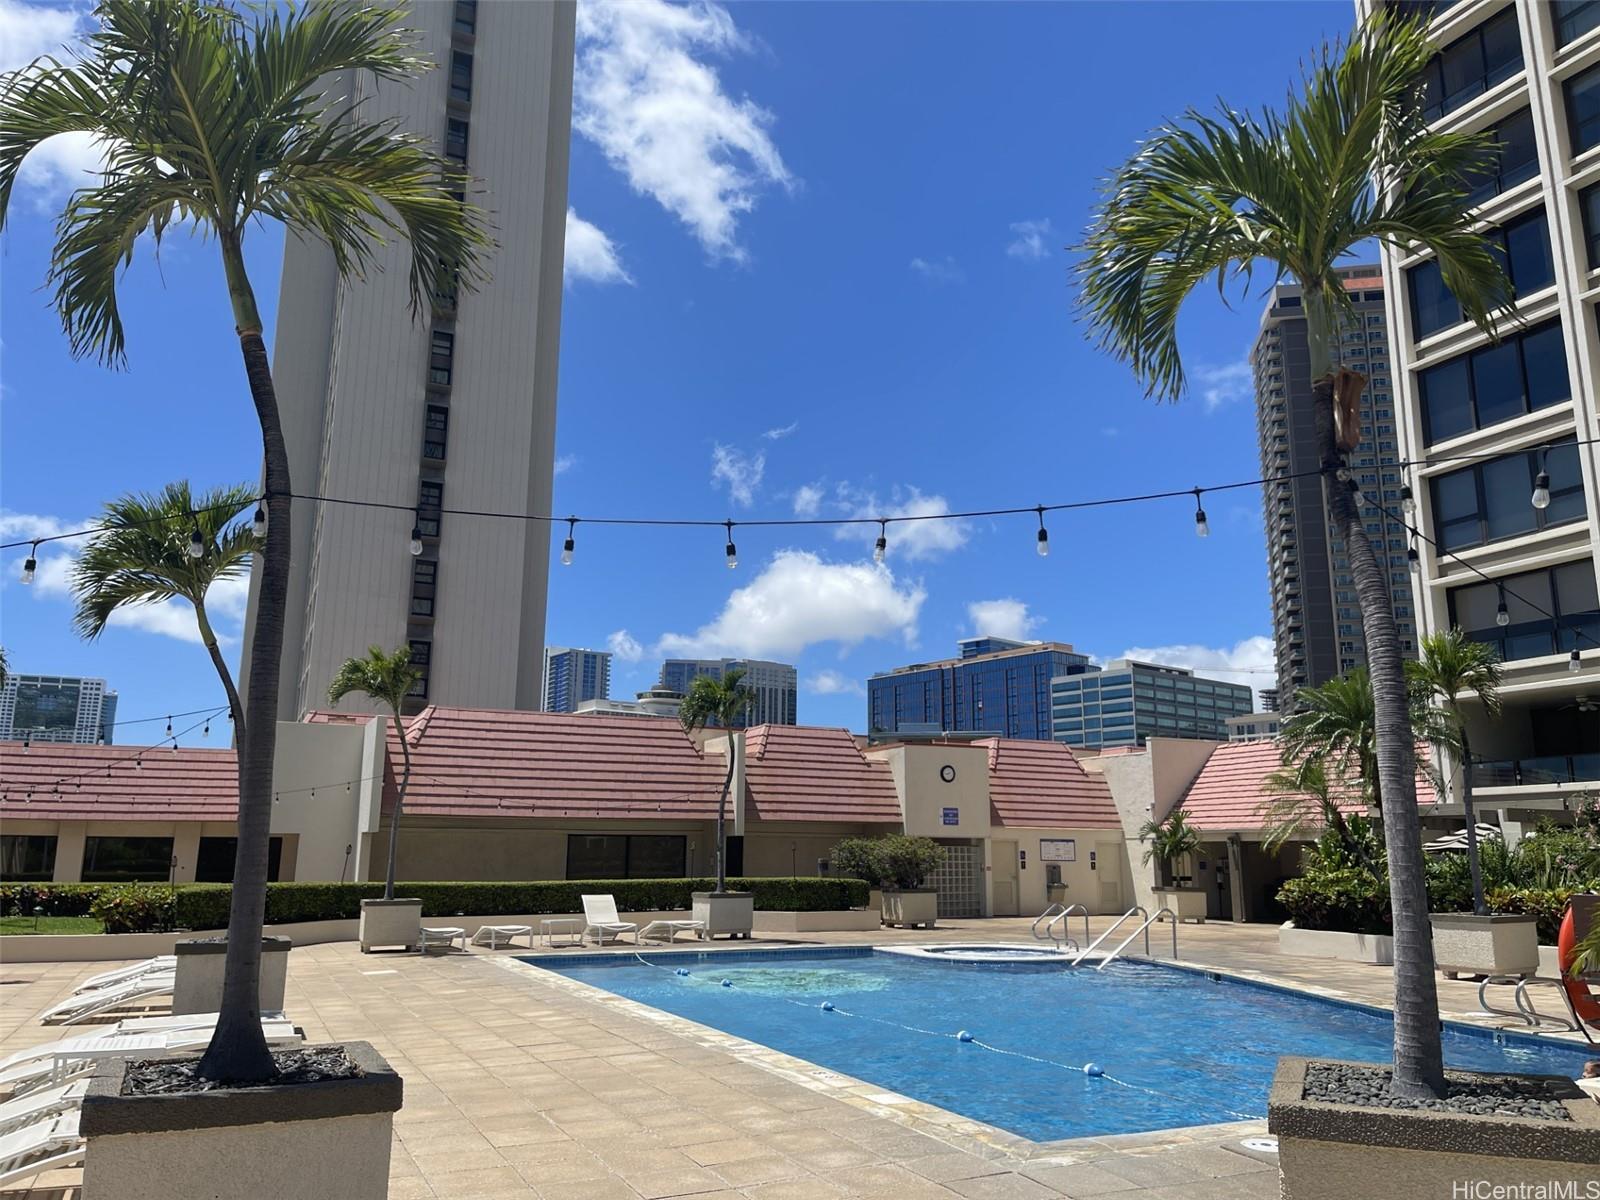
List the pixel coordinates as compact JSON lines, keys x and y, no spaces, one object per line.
{"x":1583,"y":1000}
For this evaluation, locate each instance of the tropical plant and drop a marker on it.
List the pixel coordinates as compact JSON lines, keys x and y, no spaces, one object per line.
{"x":721,"y":702}
{"x":859,"y":858}
{"x":218,"y":121}
{"x":1334,"y":725}
{"x":388,"y":679}
{"x":1348,"y":162}
{"x":145,"y":554}
{"x":909,"y":861}
{"x":1450,"y":666}
{"x":5,"y":666}
{"x":1170,"y":840}
{"x":1301,"y":798}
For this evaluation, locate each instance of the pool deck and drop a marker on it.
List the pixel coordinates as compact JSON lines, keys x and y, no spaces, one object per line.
{"x":524,"y":1084}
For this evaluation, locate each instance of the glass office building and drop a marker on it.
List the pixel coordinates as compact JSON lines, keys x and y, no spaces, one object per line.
{"x":573,"y":675}
{"x":1129,"y":701}
{"x":57,"y":708}
{"x":1004,"y":692}
{"x":774,"y":687}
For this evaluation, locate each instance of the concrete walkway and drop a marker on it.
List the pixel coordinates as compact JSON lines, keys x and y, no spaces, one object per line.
{"x":519,"y":1084}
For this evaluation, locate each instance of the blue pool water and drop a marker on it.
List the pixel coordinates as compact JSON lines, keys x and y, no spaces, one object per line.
{"x":1177,"y":1048}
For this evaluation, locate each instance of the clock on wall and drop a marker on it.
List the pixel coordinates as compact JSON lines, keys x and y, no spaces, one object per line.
{"x":947,"y":773}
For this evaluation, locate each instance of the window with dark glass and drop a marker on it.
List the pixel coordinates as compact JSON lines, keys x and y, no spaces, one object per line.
{"x":441,"y":357}
{"x":27,"y":858}
{"x":461,"y":81}
{"x":626,"y":856}
{"x":1523,"y":373}
{"x":1491,"y":500}
{"x":1471,"y":65}
{"x":1523,"y":248}
{"x":1552,"y":611}
{"x":1513,"y":160}
{"x":424,"y":581}
{"x":1574,"y":18}
{"x":1583,"y":109}
{"x":434,"y":423}
{"x":430,"y":500}
{"x":455,"y":139}
{"x":214,"y":862}
{"x":1589,"y":202}
{"x":126,"y":859}
{"x":466,"y":16}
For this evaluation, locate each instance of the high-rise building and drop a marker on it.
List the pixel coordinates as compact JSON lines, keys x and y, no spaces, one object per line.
{"x":1269,"y":699}
{"x":996,"y":686}
{"x":454,"y":408}
{"x":56,"y":708}
{"x":1127,"y":702}
{"x":1316,"y":619}
{"x":1502,"y":432}
{"x":774,"y":686}
{"x":572,"y":676}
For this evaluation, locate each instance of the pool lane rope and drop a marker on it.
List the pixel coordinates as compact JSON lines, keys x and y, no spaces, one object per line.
{"x":1091,"y":1069}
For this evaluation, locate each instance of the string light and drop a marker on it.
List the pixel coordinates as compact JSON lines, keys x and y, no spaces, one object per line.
{"x":882,"y":547}
{"x":1042,"y":542}
{"x":1574,"y":663}
{"x":732,"y":551}
{"x":570,"y":544}
{"x":1202,"y":527}
{"x":169,"y":726}
{"x":1413,"y":559}
{"x":1502,"y":615}
{"x":30,"y":564}
{"x":415,"y":545}
{"x":1357,"y":497}
{"x":1541,"y":482}
{"x":197,"y":544}
{"x":258,"y":523}
{"x":1407,"y":504}
{"x":206,"y":732}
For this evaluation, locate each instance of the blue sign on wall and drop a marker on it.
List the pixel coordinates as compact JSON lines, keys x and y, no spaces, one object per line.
{"x":952,"y":816}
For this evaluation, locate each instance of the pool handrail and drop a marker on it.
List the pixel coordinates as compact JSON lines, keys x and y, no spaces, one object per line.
{"x":1055,"y":915}
{"x":1115,"y":925}
{"x":1161,"y":914}
{"x":1055,"y":910}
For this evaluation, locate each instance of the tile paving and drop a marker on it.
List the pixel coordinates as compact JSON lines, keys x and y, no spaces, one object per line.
{"x":525,"y":1085}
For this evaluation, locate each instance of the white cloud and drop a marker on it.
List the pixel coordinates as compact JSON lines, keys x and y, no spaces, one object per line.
{"x":799,"y":600}
{"x":1004,"y":618}
{"x":1221,"y":384}
{"x":565,"y":463}
{"x":58,"y":166}
{"x":808,"y":500}
{"x":911,"y":539}
{"x":1250,"y":662}
{"x":781,"y":432}
{"x":624,"y":646}
{"x":591,"y":254}
{"x":30,"y":30}
{"x":834,"y":683}
{"x":939,"y":270}
{"x":741,"y":472}
{"x":1029,"y":240}
{"x":661,"y":117}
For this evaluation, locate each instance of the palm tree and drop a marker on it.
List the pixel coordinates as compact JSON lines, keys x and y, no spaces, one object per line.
{"x":215,"y":120}
{"x":1335,"y":726}
{"x":145,"y":555}
{"x":723,"y":702}
{"x":1349,"y":161}
{"x":1303,"y":798}
{"x":387,"y":678}
{"x":1453,"y":665}
{"x":1169,"y":841}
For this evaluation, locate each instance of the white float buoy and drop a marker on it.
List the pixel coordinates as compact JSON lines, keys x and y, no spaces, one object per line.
{"x":963,"y":1036}
{"x":1094,"y":1069}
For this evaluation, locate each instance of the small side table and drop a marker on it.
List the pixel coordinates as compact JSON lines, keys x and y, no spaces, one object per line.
{"x":570,"y":928}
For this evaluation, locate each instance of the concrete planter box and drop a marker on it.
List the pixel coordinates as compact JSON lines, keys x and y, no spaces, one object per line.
{"x":730,"y":913}
{"x":906,"y":907}
{"x":1467,"y":944}
{"x":840,"y":920}
{"x":198,"y":986}
{"x":875,"y":902}
{"x":286,"y":1142}
{"x":1376,"y":948}
{"x":1347,"y":1152}
{"x":393,"y":923}
{"x":1188,"y":903}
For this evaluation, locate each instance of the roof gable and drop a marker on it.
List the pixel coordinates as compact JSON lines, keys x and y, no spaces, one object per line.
{"x":813,"y":773}
{"x":1043,"y":785}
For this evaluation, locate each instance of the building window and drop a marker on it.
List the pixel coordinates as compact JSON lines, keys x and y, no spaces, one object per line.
{"x":466,"y":18}
{"x":1523,"y":248}
{"x":1471,"y":65}
{"x":461,"y":84}
{"x":1567,"y":591}
{"x":433,"y":440}
{"x":441,"y":357}
{"x":1514,"y":160}
{"x":1583,"y":109}
{"x":626,"y":856}
{"x":455,"y":139}
{"x":1523,"y":373}
{"x":424,"y":583}
{"x":214,"y":863}
{"x":27,"y":858}
{"x":126,"y":859}
{"x":1491,"y":500}
{"x":1574,"y":18}
{"x":1589,"y":202}
{"x":430,"y":506}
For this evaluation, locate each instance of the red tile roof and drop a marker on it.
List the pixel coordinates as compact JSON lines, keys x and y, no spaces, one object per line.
{"x":477,"y":762}
{"x":1229,"y":792}
{"x":811,"y":773}
{"x":62,"y":782}
{"x":1042,"y":785}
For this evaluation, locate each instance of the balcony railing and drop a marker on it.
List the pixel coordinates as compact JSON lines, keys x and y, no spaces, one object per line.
{"x":1534,"y":772}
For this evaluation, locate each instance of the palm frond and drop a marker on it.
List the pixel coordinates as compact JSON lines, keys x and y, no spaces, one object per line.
{"x":385,"y":676}
{"x":722,"y":702}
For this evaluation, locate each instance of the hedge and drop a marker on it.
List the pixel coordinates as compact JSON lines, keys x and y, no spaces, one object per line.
{"x":205,"y":905}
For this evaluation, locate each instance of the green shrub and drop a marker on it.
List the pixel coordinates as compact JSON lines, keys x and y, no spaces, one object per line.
{"x":1545,"y":903}
{"x":859,"y":858}
{"x":908,"y":861}
{"x":134,"y":908}
{"x":1449,"y":879}
{"x":1345,"y":898}
{"x":56,"y":899}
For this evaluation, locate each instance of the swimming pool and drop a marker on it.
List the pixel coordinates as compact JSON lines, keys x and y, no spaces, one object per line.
{"x":1177,"y":1048}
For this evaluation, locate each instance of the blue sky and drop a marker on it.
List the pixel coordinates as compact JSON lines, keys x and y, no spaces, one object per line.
{"x":816,"y":266}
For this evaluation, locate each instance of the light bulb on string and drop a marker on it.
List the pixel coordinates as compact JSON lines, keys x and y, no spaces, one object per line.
{"x":258,"y":523}
{"x":1574,"y":662}
{"x":1541,"y":482}
{"x":882,"y":547}
{"x":1408,"y":504}
{"x":1042,"y":541}
{"x":1202,"y":527}
{"x":197,"y":544}
{"x":30,"y":564}
{"x":1502,"y":615}
{"x":732,"y":551}
{"x":1413,"y":559}
{"x":169,"y":726}
{"x":1357,"y":497}
{"x":415,"y":545}
{"x":205,"y":732}
{"x":570,"y":544}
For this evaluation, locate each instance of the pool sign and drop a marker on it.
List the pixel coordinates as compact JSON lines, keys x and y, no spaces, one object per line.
{"x":1058,"y":850}
{"x":952,"y":816}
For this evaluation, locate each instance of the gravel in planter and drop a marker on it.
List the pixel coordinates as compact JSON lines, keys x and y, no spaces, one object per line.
{"x":153,"y":1077}
{"x":1473,"y":1095}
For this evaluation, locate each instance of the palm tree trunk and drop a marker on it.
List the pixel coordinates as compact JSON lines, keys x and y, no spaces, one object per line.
{"x":209,"y":640}
{"x":238,"y":1051}
{"x":1474,"y":865}
{"x":722,"y":819}
{"x":399,"y":804}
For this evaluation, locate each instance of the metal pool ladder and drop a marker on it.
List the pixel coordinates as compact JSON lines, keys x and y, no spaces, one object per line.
{"x":1161,"y":914}
{"x":1055,"y":918}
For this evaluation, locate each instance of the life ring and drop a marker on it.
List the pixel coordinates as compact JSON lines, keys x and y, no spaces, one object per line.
{"x":1583,"y":1000}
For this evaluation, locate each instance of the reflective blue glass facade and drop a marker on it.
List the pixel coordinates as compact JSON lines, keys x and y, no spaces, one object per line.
{"x":573,"y":676}
{"x":1129,"y":702}
{"x":1005,"y":693}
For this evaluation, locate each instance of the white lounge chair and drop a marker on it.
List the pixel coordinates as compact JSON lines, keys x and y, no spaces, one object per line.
{"x":51,"y":1141}
{"x":55,"y":1063}
{"x":667,"y":930}
{"x":161,"y":962}
{"x":442,"y":935}
{"x":505,"y":933}
{"x":600,"y":919}
{"x":25,"y":1110}
{"x":83,"y":1005}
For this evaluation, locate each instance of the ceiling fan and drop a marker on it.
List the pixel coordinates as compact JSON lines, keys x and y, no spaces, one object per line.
{"x":1584,"y":704}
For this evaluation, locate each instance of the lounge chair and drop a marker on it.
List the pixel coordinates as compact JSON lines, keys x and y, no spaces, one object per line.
{"x":25,"y":1110}
{"x":161,"y":962}
{"x":446,"y":936}
{"x":667,"y":930}
{"x":49,"y":1142}
{"x":82,"y":1005}
{"x":600,"y":919}
{"x":55,"y":1063}
{"x":497,"y":933}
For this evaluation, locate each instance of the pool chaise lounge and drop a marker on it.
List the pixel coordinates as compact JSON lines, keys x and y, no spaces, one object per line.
{"x":160,"y":963}
{"x":55,"y":1063}
{"x":113,"y":996}
{"x":600,"y":919}
{"x":50,"y":1141}
{"x":33,"y":1106}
